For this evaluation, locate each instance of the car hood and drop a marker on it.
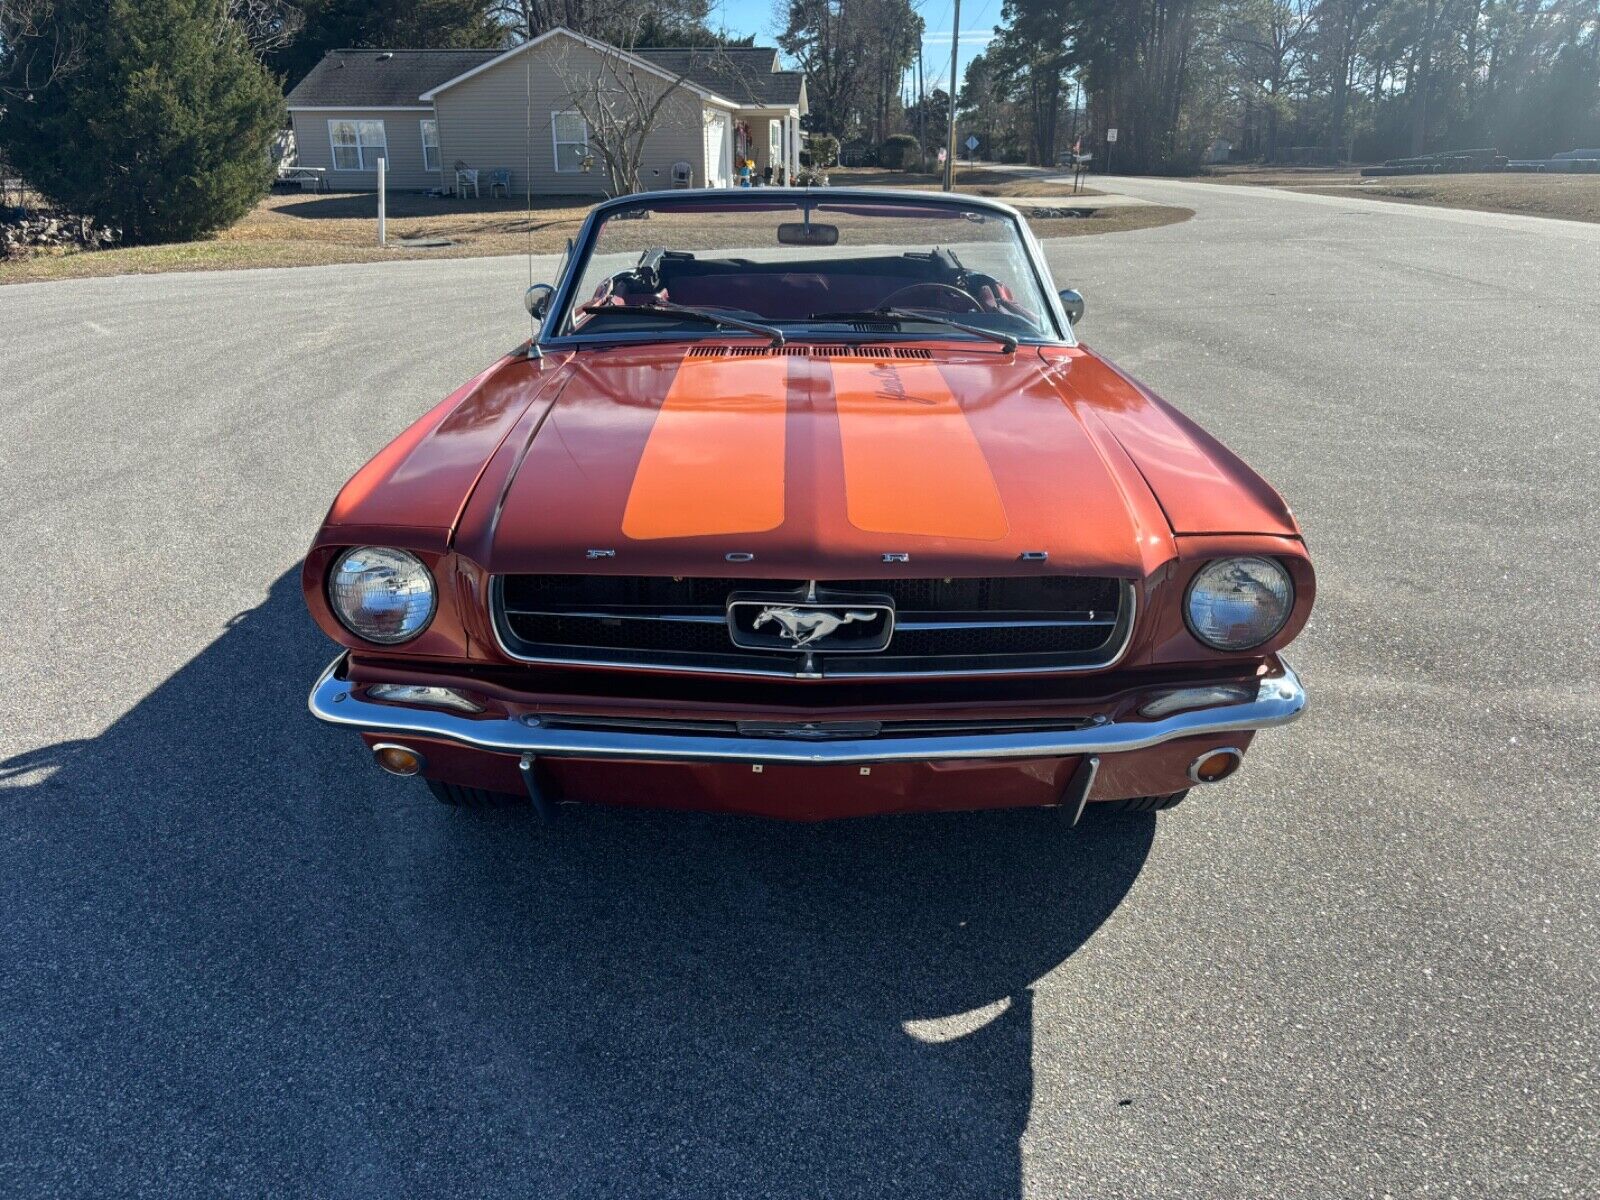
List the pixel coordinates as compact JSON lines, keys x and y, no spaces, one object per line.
{"x":1204,"y":488}
{"x":805,"y":463}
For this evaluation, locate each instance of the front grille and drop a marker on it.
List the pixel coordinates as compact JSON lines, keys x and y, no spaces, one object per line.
{"x":941,"y":626}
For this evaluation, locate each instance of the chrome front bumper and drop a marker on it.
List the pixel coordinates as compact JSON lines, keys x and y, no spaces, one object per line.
{"x":1279,"y":699}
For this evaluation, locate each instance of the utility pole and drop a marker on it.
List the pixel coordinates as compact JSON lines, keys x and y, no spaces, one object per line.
{"x":1077,"y":146}
{"x":950,"y":137}
{"x":922,"y":112}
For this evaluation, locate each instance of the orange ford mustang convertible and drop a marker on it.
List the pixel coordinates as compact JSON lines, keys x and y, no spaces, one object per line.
{"x":808,"y":503}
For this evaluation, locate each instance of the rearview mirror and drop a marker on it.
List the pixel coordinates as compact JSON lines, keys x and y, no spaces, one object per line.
{"x":796,"y":233}
{"x":1072,"y":302}
{"x":537,"y":299}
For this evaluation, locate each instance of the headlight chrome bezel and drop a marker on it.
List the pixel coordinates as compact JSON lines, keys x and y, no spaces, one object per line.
{"x":399,"y":558}
{"x":1272,"y":565}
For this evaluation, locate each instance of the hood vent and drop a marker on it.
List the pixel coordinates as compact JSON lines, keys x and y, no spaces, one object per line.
{"x":832,"y":351}
{"x":748,"y":351}
{"x":854,"y":351}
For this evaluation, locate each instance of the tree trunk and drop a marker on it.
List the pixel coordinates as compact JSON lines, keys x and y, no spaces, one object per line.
{"x":1419,"y":98}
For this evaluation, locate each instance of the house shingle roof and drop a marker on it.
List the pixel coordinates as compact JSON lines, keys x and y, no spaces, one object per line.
{"x":385,"y":78}
{"x":381,"y":78}
{"x":743,"y":74}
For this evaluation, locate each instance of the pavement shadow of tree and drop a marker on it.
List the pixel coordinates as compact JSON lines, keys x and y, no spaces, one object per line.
{"x":239,"y":959}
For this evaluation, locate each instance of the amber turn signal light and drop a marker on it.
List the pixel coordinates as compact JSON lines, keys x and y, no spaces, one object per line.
{"x":1215,"y":765}
{"x":397,"y":760}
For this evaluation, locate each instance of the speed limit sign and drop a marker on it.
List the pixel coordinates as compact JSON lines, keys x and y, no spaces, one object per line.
{"x":1111,"y":134}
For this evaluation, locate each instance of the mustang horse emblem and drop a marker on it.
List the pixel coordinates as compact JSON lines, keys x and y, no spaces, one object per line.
{"x":804,"y":626}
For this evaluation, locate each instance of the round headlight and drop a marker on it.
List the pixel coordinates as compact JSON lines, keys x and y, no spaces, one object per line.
{"x":1239,"y":603}
{"x":382,"y":595}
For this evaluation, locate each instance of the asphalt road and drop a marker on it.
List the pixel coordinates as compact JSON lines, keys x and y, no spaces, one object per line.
{"x":236,"y":960}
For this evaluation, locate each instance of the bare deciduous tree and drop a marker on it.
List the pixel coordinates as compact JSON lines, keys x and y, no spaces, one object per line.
{"x":1262,"y":42}
{"x":621,"y":100}
{"x":37,"y":47}
{"x":855,"y":57}
{"x":267,"y":24}
{"x":623,"y":22}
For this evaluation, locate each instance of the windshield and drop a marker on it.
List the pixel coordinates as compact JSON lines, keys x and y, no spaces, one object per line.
{"x":799,"y":264}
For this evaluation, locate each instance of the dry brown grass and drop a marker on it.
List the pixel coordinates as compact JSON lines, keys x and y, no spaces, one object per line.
{"x":1281,"y":176}
{"x":302,"y":230}
{"x":1109,"y":220}
{"x":1573,"y":197}
{"x":307,"y":230}
{"x":977,"y":181}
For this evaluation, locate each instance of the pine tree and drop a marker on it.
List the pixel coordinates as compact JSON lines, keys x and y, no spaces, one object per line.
{"x":162,"y":130}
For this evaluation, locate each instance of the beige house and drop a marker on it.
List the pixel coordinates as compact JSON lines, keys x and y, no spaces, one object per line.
{"x":514,"y":112}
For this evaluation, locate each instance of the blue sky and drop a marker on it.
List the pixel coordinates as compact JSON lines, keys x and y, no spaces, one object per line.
{"x":978,"y":19}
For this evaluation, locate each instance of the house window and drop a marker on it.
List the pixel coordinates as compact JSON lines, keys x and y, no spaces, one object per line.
{"x":357,"y":145}
{"x":570,"y":133}
{"x":430,"y":145}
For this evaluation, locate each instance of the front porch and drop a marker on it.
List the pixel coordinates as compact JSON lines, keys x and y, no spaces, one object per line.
{"x":771,"y":138}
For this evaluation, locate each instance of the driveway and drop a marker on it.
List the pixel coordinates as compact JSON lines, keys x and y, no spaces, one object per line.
{"x":238,"y":960}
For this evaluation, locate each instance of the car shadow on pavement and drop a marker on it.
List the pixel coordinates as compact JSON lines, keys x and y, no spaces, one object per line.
{"x":240,"y":959}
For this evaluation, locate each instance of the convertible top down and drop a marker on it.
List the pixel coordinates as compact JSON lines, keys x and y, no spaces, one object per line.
{"x":808,"y":503}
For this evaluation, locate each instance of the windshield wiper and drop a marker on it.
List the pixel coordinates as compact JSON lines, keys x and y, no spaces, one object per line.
{"x":900,"y":314}
{"x":682,"y":313}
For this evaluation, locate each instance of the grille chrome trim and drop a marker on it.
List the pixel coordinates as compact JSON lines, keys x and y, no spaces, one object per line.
{"x":586,"y":615}
{"x":802,"y":666}
{"x":913,"y":623}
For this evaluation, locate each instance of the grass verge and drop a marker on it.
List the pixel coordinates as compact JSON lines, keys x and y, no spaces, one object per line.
{"x":1109,"y":220}
{"x":307,"y":230}
{"x":977,"y":181}
{"x":1571,"y":197}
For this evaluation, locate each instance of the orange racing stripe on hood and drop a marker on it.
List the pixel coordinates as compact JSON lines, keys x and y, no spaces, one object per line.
{"x":714,"y":460}
{"x":912,"y":464}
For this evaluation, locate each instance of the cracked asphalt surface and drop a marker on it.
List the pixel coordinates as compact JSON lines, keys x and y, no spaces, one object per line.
{"x":239,"y":961}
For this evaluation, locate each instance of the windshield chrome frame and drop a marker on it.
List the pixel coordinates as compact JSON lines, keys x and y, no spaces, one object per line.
{"x":550,"y":337}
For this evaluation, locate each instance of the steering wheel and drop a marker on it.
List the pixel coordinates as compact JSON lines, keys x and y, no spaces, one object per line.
{"x":967,"y":299}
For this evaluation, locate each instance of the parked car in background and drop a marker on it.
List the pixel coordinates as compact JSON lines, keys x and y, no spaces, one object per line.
{"x":808,"y":504}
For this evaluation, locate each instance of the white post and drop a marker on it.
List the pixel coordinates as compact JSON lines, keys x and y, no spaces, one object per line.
{"x":794,"y":145}
{"x":383,"y":202}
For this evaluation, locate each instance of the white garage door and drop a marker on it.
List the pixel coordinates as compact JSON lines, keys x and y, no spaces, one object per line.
{"x":717,"y":166}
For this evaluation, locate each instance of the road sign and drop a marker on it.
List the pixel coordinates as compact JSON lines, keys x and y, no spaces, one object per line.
{"x":1111,"y":134}
{"x":972,"y":142}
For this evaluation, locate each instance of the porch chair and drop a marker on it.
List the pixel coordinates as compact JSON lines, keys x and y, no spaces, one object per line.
{"x":682,"y":174}
{"x":500,"y":178}
{"x":466,"y":177}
